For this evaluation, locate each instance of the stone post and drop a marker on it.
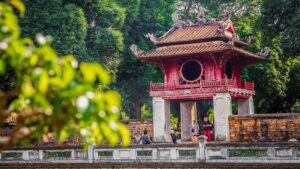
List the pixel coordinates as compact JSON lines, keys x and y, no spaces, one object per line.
{"x":91,"y":153}
{"x":222,"y":110}
{"x":245,"y":106}
{"x":161,"y":120}
{"x":202,"y":141}
{"x":25,"y":155}
{"x":186,"y":120}
{"x":41,"y":154}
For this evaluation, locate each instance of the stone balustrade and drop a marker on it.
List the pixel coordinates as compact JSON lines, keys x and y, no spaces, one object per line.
{"x":285,"y":152}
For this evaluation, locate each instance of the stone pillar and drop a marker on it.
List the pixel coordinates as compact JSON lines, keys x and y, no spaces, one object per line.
{"x":91,"y":153}
{"x":245,"y":106}
{"x":186,"y":109}
{"x":41,"y":154}
{"x":222,"y":109}
{"x":161,"y":120}
{"x":202,"y":141}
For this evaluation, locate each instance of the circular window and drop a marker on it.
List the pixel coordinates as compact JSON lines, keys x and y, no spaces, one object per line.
{"x":191,"y":70}
{"x":228,"y":70}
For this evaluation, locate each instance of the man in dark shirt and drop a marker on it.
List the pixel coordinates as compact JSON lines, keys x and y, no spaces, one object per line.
{"x":207,"y":128}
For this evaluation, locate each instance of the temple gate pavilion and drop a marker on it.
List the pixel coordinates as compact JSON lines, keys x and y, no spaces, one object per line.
{"x":200,"y":62}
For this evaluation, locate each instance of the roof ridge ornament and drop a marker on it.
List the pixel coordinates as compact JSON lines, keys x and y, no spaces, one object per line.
{"x":200,"y":15}
{"x":136,"y":50}
{"x":178,"y":23}
{"x":156,"y":40}
{"x":264,"y":52}
{"x":221,"y":29}
{"x":152,"y":38}
{"x":231,"y":40}
{"x":249,"y":39}
{"x":226,"y":14}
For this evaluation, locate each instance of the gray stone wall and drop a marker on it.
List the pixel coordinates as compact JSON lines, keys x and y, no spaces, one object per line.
{"x":265,"y":127}
{"x":136,"y":128}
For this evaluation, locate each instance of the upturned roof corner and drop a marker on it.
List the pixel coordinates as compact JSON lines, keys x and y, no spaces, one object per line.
{"x":264,"y":52}
{"x":138,"y":52}
{"x":152,"y":38}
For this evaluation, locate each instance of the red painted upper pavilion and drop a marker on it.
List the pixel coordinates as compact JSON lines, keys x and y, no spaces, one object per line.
{"x":201,"y":62}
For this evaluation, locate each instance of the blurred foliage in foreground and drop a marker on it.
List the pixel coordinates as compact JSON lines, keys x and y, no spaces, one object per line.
{"x":53,"y":94}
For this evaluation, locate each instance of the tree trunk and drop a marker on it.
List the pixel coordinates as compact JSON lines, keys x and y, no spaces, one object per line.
{"x":137,"y":108}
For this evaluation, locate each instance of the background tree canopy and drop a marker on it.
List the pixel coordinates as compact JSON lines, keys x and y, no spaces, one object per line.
{"x":53,"y":95}
{"x":102,"y":31}
{"x":277,"y":81}
{"x":90,"y":29}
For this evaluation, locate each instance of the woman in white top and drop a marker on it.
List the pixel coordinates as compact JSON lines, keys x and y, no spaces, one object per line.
{"x":195,"y":131}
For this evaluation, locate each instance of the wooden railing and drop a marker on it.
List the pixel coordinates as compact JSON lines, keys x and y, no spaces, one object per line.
{"x":248,"y":85}
{"x":231,"y":83}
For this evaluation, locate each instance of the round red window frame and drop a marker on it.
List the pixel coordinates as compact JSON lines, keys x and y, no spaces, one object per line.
{"x":200,"y":75}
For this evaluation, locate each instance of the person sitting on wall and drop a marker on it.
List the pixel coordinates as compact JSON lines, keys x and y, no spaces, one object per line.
{"x":195,"y":131}
{"x":145,"y":139}
{"x":207,"y":128}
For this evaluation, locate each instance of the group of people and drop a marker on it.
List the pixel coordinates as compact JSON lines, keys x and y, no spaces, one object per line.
{"x":207,"y":127}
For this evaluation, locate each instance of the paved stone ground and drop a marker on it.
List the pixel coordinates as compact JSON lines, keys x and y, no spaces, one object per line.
{"x":149,"y":166}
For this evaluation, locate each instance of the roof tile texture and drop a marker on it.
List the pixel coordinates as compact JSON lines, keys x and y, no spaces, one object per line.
{"x":191,"y":33}
{"x":194,"y":48}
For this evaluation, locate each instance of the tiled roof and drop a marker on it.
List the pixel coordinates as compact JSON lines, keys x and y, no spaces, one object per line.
{"x":195,"y":33}
{"x":194,"y":48}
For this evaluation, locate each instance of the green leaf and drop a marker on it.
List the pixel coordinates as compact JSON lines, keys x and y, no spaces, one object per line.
{"x":43,"y":82}
{"x":18,"y":5}
{"x":68,"y":75}
{"x":88,"y":72}
{"x":2,"y":67}
{"x":102,"y":75}
{"x":124,"y":134}
{"x":63,"y":135}
{"x":27,"y":89}
{"x":92,"y":71}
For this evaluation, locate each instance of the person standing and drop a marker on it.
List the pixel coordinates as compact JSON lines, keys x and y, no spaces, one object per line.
{"x":173,"y":136}
{"x":207,"y":128}
{"x":195,"y":131}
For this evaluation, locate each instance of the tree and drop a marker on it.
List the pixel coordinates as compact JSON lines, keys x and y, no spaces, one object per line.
{"x":134,"y":76}
{"x":273,"y":24}
{"x":105,"y":39}
{"x":88,"y":29}
{"x":279,"y":23}
{"x":293,"y":85}
{"x":53,"y":94}
{"x":66,"y":24}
